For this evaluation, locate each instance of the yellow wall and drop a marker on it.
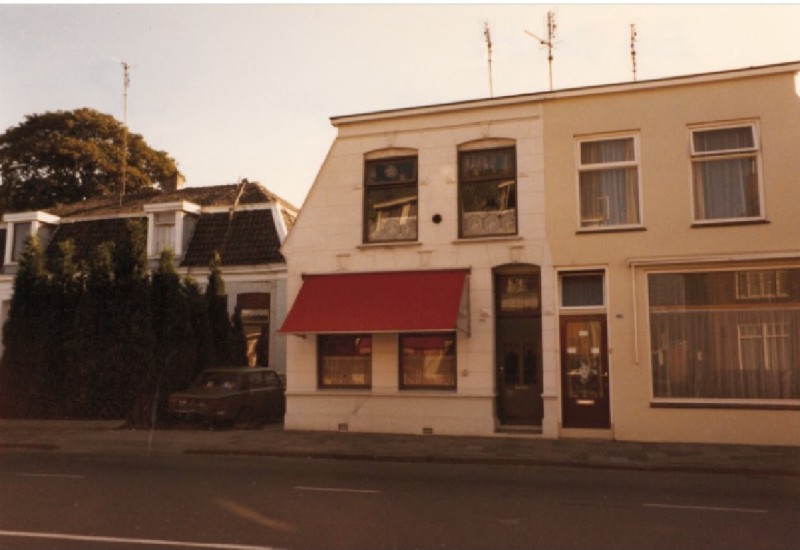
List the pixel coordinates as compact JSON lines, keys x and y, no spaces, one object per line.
{"x":661,"y":118}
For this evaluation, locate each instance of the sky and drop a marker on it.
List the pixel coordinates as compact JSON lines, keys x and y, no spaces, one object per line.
{"x":248,"y":90}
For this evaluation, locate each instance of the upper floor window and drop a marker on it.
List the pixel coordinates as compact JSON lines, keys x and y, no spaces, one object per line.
{"x":164,"y":231}
{"x":608,"y":182}
{"x":22,"y":230}
{"x":725,"y":173}
{"x":487,"y":194}
{"x":390,"y":200}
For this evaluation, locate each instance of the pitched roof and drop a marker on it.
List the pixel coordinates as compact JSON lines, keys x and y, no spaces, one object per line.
{"x":248,"y":237}
{"x":87,"y":235}
{"x":216,"y":195}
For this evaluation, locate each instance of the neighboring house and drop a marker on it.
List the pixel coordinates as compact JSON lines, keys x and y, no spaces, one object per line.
{"x":244,"y":223}
{"x":618,"y":261}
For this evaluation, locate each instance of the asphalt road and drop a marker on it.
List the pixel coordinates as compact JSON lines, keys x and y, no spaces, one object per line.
{"x":53,"y":500}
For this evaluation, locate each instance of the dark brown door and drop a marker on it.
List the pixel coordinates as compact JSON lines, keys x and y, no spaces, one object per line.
{"x":584,"y":372}
{"x":519,"y":372}
{"x":518,"y":345}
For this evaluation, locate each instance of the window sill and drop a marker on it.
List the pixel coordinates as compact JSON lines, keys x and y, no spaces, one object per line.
{"x":792,"y":405}
{"x":483,"y":240}
{"x":729,"y":222}
{"x":398,"y":244}
{"x":610,"y":229}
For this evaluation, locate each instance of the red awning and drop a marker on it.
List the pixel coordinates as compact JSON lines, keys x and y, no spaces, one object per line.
{"x":397,"y":301}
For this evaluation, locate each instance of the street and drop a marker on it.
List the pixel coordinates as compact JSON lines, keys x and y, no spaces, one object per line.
{"x":71,"y":501}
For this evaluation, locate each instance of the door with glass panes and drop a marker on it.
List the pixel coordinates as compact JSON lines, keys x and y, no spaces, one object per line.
{"x":518,"y":345}
{"x":584,"y":351}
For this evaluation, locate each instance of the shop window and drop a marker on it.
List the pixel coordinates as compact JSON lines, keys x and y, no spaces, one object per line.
{"x":428,"y":361}
{"x":390,"y":200}
{"x":706,"y":343}
{"x":487,"y":192}
{"x":345,"y":360}
{"x":608,"y":180}
{"x":725,"y":173}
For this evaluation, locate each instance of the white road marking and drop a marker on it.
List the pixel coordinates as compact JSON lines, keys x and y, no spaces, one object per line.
{"x":707,"y":508}
{"x":63,"y":476}
{"x":337,"y":490}
{"x":123,"y":540}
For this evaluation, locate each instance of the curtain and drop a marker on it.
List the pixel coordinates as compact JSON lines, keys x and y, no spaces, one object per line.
{"x":609,"y":196}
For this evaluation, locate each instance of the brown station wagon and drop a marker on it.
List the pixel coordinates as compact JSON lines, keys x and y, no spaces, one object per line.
{"x":230,"y":395}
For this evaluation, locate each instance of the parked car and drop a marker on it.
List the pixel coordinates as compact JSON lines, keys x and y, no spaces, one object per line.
{"x":230,"y":395}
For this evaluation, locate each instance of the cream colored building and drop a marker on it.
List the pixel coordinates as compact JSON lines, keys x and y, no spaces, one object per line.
{"x":619,"y":261}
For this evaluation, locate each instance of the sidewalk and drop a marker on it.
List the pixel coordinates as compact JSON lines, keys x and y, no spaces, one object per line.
{"x":104,"y":437}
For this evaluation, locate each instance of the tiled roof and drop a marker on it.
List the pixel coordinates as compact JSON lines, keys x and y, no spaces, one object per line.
{"x":247,"y":238}
{"x":87,"y":235}
{"x":216,"y":195}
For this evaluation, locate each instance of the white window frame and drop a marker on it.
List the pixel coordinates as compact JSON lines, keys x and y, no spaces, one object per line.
{"x":601,"y":271}
{"x":726,"y":154}
{"x":750,"y":284}
{"x":766,"y":332}
{"x":598,"y":167}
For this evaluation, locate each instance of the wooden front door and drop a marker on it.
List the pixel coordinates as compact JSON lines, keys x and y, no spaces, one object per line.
{"x":584,"y":372}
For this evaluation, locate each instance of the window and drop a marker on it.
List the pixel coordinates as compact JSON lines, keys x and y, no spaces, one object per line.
{"x":725,"y":168}
{"x":517,"y":294}
{"x":761,"y":284}
{"x":487,"y":195}
{"x":254,"y":308}
{"x":608,"y":182}
{"x":390,"y":200}
{"x":706,"y":343}
{"x":428,"y":361}
{"x":582,"y":289}
{"x":164,"y":231}
{"x":345,"y":361}
{"x":22,"y":230}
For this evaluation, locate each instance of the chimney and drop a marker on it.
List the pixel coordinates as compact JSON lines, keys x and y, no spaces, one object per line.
{"x":173,"y":183}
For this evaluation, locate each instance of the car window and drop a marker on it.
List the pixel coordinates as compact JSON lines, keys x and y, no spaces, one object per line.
{"x":255,"y":380}
{"x":217,"y":381}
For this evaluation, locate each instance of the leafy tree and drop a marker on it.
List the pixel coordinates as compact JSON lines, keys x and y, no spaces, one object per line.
{"x":67,"y":156}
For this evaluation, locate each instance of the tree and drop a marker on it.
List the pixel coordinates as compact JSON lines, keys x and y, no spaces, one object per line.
{"x":175,"y":348}
{"x":217,"y":301}
{"x":67,"y":156}
{"x":23,"y":371}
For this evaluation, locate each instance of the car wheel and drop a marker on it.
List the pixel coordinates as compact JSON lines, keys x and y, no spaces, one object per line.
{"x":245,"y":418}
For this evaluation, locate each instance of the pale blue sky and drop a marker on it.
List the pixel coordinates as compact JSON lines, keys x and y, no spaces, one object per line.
{"x":248,"y":90}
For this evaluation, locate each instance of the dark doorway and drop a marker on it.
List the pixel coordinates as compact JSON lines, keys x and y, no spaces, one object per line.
{"x":518,"y":345}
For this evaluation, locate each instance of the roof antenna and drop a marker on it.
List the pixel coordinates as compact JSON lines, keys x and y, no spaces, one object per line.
{"x":633,"y":49}
{"x":488,"y":36}
{"x":242,"y":184}
{"x":126,"y":81}
{"x":550,"y":42}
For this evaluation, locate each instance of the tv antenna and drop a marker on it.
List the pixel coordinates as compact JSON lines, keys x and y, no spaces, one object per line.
{"x":488,"y":36}
{"x":126,"y":81}
{"x":633,"y":49}
{"x":550,"y":43}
